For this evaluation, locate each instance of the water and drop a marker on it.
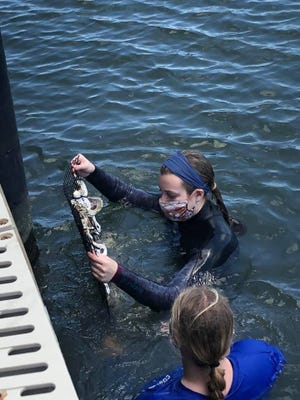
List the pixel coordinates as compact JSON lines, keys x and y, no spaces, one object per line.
{"x":127,"y":83}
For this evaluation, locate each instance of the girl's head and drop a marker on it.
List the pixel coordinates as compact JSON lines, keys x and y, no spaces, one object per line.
{"x":193,"y":168}
{"x":187,"y":177}
{"x":201,"y":328}
{"x":202,"y":324}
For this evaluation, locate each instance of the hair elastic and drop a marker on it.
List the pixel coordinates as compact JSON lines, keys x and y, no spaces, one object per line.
{"x":214,"y":365}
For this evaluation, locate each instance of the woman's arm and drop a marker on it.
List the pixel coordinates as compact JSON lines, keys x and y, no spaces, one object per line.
{"x":113,"y":188}
{"x":152,"y":294}
{"x":200,"y":269}
{"x":116,"y":190}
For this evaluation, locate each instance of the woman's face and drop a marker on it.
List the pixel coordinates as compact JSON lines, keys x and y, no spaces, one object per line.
{"x":172,"y":188}
{"x":175,"y":202}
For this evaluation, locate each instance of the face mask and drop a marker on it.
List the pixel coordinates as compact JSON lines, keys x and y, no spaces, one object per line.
{"x":177,"y":210}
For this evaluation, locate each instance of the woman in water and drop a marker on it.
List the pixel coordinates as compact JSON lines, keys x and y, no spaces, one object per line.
{"x":213,"y":368}
{"x":190,"y":197}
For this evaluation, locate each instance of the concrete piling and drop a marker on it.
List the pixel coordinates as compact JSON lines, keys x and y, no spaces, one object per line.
{"x":12,"y":174}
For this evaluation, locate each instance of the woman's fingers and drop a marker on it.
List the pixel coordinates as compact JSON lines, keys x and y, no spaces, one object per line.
{"x":102,"y":267}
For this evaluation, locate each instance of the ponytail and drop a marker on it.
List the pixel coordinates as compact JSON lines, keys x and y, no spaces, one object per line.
{"x":220,"y":203}
{"x":217,"y":384}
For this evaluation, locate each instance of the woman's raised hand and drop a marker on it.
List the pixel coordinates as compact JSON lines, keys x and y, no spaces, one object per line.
{"x":81,"y":166}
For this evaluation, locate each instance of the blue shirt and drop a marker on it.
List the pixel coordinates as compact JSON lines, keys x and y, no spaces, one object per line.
{"x":256,"y":364}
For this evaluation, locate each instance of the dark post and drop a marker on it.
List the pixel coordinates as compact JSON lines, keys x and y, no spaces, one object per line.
{"x":12,"y":174}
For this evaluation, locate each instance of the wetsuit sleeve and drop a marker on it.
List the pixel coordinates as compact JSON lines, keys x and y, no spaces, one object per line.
{"x":116,"y":190}
{"x":197,"y":271}
{"x":152,"y":294}
{"x":216,"y":257}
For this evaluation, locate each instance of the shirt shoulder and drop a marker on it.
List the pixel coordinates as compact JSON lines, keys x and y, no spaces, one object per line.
{"x":256,"y":365}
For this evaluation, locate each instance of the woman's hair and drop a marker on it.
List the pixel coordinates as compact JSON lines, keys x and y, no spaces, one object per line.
{"x":201,"y":326}
{"x":204,"y":168}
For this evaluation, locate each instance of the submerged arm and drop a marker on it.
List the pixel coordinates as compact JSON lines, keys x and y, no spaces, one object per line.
{"x":199,"y":270}
{"x":152,"y":294}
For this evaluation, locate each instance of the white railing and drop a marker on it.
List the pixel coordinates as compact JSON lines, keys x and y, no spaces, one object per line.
{"x":31,"y":363}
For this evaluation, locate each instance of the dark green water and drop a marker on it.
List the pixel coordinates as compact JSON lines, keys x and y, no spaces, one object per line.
{"x":126,"y":83}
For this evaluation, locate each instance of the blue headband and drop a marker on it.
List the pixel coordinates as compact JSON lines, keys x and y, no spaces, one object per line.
{"x":180,"y":166}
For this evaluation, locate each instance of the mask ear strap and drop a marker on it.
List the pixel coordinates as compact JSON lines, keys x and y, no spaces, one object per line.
{"x":200,"y":195}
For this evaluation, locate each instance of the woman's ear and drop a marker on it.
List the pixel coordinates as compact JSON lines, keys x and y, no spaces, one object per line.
{"x":199,"y":194}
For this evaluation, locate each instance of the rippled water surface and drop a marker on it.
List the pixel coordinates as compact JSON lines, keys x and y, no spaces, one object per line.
{"x":126,"y":83}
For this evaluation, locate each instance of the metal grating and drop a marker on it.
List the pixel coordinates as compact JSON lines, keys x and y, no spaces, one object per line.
{"x":31,"y":363}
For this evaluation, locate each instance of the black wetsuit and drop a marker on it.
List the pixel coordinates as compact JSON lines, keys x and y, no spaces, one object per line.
{"x":206,"y":238}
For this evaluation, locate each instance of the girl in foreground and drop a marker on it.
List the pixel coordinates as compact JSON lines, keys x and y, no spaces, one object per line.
{"x":190,"y":197}
{"x":213,"y":368}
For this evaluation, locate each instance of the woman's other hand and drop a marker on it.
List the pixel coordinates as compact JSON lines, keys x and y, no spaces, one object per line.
{"x":103,"y":267}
